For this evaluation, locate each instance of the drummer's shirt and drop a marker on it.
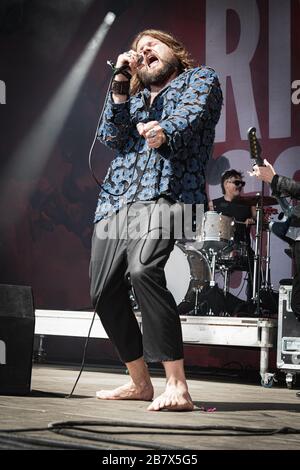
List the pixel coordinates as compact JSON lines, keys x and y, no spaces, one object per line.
{"x":240,"y":214}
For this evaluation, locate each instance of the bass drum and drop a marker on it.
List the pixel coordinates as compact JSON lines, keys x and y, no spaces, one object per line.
{"x":187,"y":270}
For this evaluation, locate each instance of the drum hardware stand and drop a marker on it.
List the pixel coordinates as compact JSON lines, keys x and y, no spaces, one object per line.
{"x":266,"y":285}
{"x":212,"y":282}
{"x":226,"y":279}
{"x":213,"y":254}
{"x":225,"y":271}
{"x":41,"y":353}
{"x":257,"y":251}
{"x":196,"y":290}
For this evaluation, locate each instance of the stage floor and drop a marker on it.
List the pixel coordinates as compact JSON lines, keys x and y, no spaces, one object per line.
{"x":237,"y":404}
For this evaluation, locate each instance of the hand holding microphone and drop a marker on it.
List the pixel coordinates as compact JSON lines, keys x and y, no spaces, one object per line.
{"x":128,"y":63}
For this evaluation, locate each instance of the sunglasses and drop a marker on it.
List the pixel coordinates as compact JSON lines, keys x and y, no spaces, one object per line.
{"x":238,"y":183}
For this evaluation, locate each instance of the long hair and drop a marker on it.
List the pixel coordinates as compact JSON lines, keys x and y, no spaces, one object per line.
{"x":179,"y":51}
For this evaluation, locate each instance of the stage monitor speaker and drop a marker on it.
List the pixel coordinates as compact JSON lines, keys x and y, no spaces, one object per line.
{"x":16,"y":339}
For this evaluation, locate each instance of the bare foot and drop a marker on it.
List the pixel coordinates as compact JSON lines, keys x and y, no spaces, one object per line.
{"x":176,"y":398}
{"x":128,"y":391}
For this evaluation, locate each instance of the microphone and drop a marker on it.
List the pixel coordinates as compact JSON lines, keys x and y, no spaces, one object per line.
{"x":125,"y":67}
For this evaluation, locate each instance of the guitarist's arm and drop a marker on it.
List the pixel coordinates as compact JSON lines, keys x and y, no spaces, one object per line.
{"x":281,"y":185}
{"x":285,"y":185}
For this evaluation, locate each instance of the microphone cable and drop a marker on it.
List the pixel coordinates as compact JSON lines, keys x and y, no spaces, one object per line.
{"x":117,"y":244}
{"x":111,"y":64}
{"x":108,"y":272}
{"x":128,"y":208}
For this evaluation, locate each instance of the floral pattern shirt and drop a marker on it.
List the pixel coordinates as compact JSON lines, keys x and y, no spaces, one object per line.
{"x":188,"y":109}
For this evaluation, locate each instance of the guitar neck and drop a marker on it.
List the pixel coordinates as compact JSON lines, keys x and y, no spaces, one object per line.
{"x":255,"y":152}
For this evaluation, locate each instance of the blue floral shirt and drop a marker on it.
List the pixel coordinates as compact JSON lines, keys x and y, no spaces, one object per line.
{"x":188,"y":109}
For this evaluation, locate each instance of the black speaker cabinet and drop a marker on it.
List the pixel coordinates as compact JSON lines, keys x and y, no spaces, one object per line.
{"x":16,"y":339}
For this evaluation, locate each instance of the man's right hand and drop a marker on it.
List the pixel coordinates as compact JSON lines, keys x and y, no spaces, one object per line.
{"x":153,"y":133}
{"x":129,"y":58}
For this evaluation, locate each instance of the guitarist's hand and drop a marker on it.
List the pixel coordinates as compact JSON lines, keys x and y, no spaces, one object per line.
{"x":264,"y":173}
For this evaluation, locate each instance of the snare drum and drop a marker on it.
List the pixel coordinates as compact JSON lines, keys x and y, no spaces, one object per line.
{"x":186,"y":271}
{"x":217,"y":231}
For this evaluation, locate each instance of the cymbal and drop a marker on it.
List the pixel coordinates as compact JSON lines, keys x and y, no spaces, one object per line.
{"x":253,"y":200}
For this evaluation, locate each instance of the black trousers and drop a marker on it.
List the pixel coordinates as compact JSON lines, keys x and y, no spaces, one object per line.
{"x":139,"y":250}
{"x":295,"y":300}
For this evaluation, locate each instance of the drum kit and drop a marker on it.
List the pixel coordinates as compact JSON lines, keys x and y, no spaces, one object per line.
{"x":193,"y":264}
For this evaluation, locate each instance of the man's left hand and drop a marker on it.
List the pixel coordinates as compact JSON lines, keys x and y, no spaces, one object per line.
{"x":153,"y":133}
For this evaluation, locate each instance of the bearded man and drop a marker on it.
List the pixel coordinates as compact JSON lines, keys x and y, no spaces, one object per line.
{"x":160,"y":118}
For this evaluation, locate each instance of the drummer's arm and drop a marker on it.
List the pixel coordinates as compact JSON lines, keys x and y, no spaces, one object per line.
{"x":253,"y":213}
{"x":252,"y":220}
{"x":211,"y":206}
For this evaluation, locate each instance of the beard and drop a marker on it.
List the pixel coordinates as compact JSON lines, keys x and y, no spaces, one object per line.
{"x":158,"y":77}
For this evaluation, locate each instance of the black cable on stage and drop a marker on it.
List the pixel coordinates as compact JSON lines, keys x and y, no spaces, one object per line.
{"x":24,"y":442}
{"x":74,"y":429}
{"x":83,"y":356}
{"x":60,"y":425}
{"x":184,"y":427}
{"x":90,"y":436}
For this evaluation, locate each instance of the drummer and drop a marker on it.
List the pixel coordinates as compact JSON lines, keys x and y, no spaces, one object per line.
{"x":232,"y":184}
